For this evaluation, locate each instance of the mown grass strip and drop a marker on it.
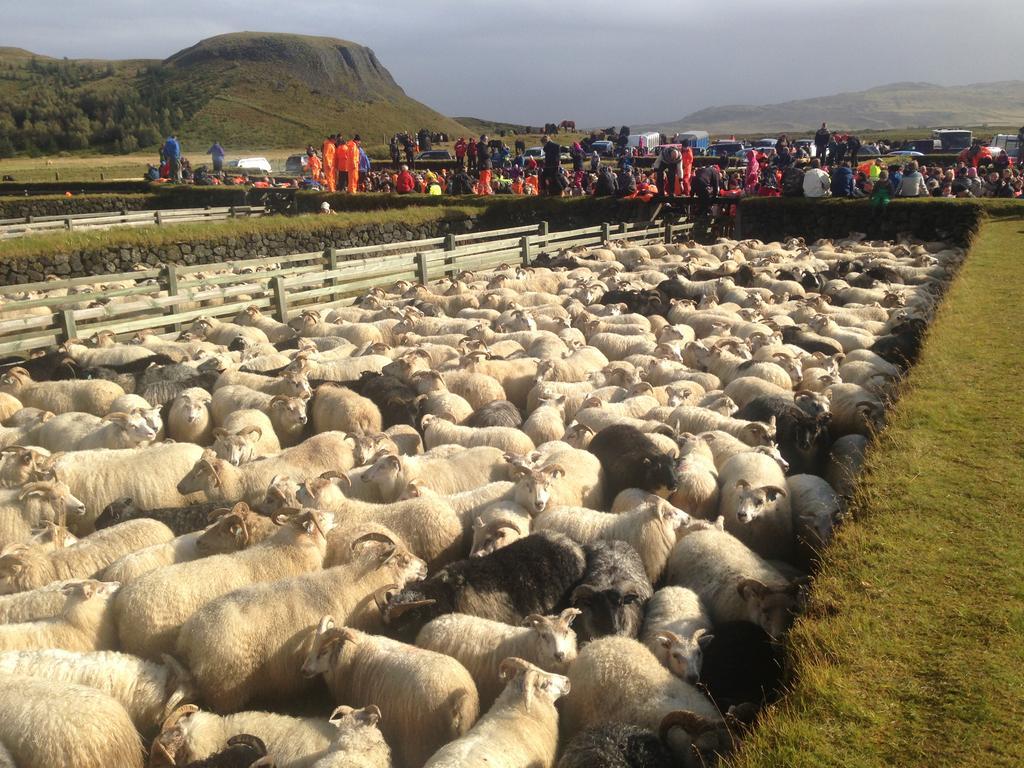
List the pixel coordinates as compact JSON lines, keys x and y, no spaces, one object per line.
{"x":912,"y":652}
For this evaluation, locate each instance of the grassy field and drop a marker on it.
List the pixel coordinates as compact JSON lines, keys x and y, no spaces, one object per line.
{"x":912,"y":652}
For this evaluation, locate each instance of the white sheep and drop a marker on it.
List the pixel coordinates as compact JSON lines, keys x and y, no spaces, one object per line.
{"x":547,"y":420}
{"x":74,"y":431}
{"x":480,"y":645}
{"x":461,"y":471}
{"x":521,"y":729}
{"x":438,"y":431}
{"x":151,"y":610}
{"x":42,"y":724}
{"x":147,"y":475}
{"x":189,"y":735}
{"x":265,"y":654}
{"x":694,"y":419}
{"x":222,"y":481}
{"x":650,"y":529}
{"x":93,"y":396}
{"x":697,"y":490}
{"x":734,"y":582}
{"x":30,"y":566}
{"x":189,"y":419}
{"x":543,"y":480}
{"x":247,"y":435}
{"x":431,"y":697}
{"x":755,"y":504}
{"x":288,"y":414}
{"x":497,"y":526}
{"x":676,"y":629}
{"x":85,"y":623}
{"x":339,"y":408}
{"x":724,"y":446}
{"x":358,"y":742}
{"x":42,"y":603}
{"x":618,"y":679}
{"x":467,"y":505}
{"x":148,"y":691}
{"x":855,"y":411}
{"x":427,"y":525}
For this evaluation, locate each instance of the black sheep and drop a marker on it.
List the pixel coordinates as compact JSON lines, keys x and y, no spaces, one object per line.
{"x":241,"y":752}
{"x":498,"y":413}
{"x":398,"y":402}
{"x":613,"y":593}
{"x":803,"y":438}
{"x":741,"y":666}
{"x":532,"y":575}
{"x":810,"y":342}
{"x":630,"y":459}
{"x":616,"y":745}
{"x":180,"y":520}
{"x":903,"y":344}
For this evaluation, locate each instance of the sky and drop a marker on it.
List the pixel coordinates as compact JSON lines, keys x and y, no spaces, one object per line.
{"x":598,"y":62}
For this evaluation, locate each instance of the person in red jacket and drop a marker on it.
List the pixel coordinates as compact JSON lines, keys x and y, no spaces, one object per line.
{"x":460,"y":151}
{"x":405,"y":183}
{"x":683,"y":184}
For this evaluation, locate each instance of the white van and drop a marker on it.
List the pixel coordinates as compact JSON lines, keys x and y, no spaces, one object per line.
{"x":651,"y":140}
{"x":1006,"y":142}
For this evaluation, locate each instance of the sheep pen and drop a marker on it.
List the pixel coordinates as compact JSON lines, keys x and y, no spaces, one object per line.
{"x":711,"y":380}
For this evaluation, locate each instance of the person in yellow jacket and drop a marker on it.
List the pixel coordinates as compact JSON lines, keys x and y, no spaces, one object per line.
{"x":328,"y":161}
{"x":352,"y":157}
{"x":342,"y":163}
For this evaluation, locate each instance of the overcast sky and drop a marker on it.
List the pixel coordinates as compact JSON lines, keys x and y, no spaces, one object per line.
{"x":598,"y":62}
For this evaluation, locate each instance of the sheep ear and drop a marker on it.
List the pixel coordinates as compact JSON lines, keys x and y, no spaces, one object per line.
{"x":667,"y":639}
{"x":534,"y":620}
{"x":773,"y":492}
{"x":752,"y":588}
{"x":568,"y":616}
{"x":703,"y":638}
{"x":368,"y":715}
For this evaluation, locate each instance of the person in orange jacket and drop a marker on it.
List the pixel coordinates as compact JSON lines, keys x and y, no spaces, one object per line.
{"x":683,"y":183}
{"x":352,"y":155}
{"x":342,"y":162}
{"x":314,"y":165}
{"x":330,"y":171}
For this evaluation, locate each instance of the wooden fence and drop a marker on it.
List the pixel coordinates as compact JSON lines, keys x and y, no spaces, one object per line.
{"x":169,"y":298}
{"x":34,"y":225}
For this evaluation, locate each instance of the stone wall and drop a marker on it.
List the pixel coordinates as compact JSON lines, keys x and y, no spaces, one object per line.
{"x":124,"y":258}
{"x":53,"y":205}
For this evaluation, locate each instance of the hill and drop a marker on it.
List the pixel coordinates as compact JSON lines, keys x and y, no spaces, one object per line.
{"x":898,"y":105}
{"x":246,"y":89}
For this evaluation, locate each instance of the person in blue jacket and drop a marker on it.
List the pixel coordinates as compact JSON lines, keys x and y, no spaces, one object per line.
{"x":172,"y":151}
{"x":216,"y":153}
{"x":842,"y":180}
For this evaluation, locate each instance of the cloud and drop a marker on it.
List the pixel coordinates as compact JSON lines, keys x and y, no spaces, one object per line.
{"x":598,"y":63}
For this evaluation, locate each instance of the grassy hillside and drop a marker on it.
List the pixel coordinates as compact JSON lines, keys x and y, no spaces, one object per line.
{"x":247,"y":89}
{"x":899,"y":105}
{"x":910,"y":652}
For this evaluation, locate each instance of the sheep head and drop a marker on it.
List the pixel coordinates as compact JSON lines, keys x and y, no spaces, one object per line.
{"x":554,"y":637}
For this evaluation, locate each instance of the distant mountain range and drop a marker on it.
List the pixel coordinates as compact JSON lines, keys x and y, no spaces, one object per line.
{"x":899,"y":105}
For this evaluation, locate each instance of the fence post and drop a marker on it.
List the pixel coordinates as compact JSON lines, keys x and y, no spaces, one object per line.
{"x":449,"y":242}
{"x":159,"y":219}
{"x":524,"y":249}
{"x":421,"y":267}
{"x":668,"y":232}
{"x":68,"y":327}
{"x":606,"y":231}
{"x":171,"y":282}
{"x":542,"y":230}
{"x":280,"y":298}
{"x":622,"y":228}
{"x":737,"y":227}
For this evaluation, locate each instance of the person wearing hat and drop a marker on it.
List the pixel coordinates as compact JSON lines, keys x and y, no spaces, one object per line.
{"x":669,"y":166}
{"x":325,"y":207}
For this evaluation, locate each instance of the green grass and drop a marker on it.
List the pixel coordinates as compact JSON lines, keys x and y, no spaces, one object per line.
{"x":912,"y":651}
{"x":42,"y":245}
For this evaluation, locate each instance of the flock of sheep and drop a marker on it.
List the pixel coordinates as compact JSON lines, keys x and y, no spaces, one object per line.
{"x":600,"y":481}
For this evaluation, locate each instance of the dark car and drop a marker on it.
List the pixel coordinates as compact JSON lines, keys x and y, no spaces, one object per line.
{"x":295,"y":164}
{"x":435,"y":154}
{"x":727,"y":148}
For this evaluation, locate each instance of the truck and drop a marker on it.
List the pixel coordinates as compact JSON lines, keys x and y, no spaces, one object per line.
{"x":1008,"y":143}
{"x":951,"y":139}
{"x":650,"y":141}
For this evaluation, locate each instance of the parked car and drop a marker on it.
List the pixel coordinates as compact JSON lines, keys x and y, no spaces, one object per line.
{"x":905,"y":153}
{"x":537,"y":153}
{"x":251,"y":164}
{"x":764,"y":143}
{"x":727,"y":148}
{"x":435,"y":154}
{"x":807,"y":145}
{"x":295,"y":164}
{"x":604,"y":148}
